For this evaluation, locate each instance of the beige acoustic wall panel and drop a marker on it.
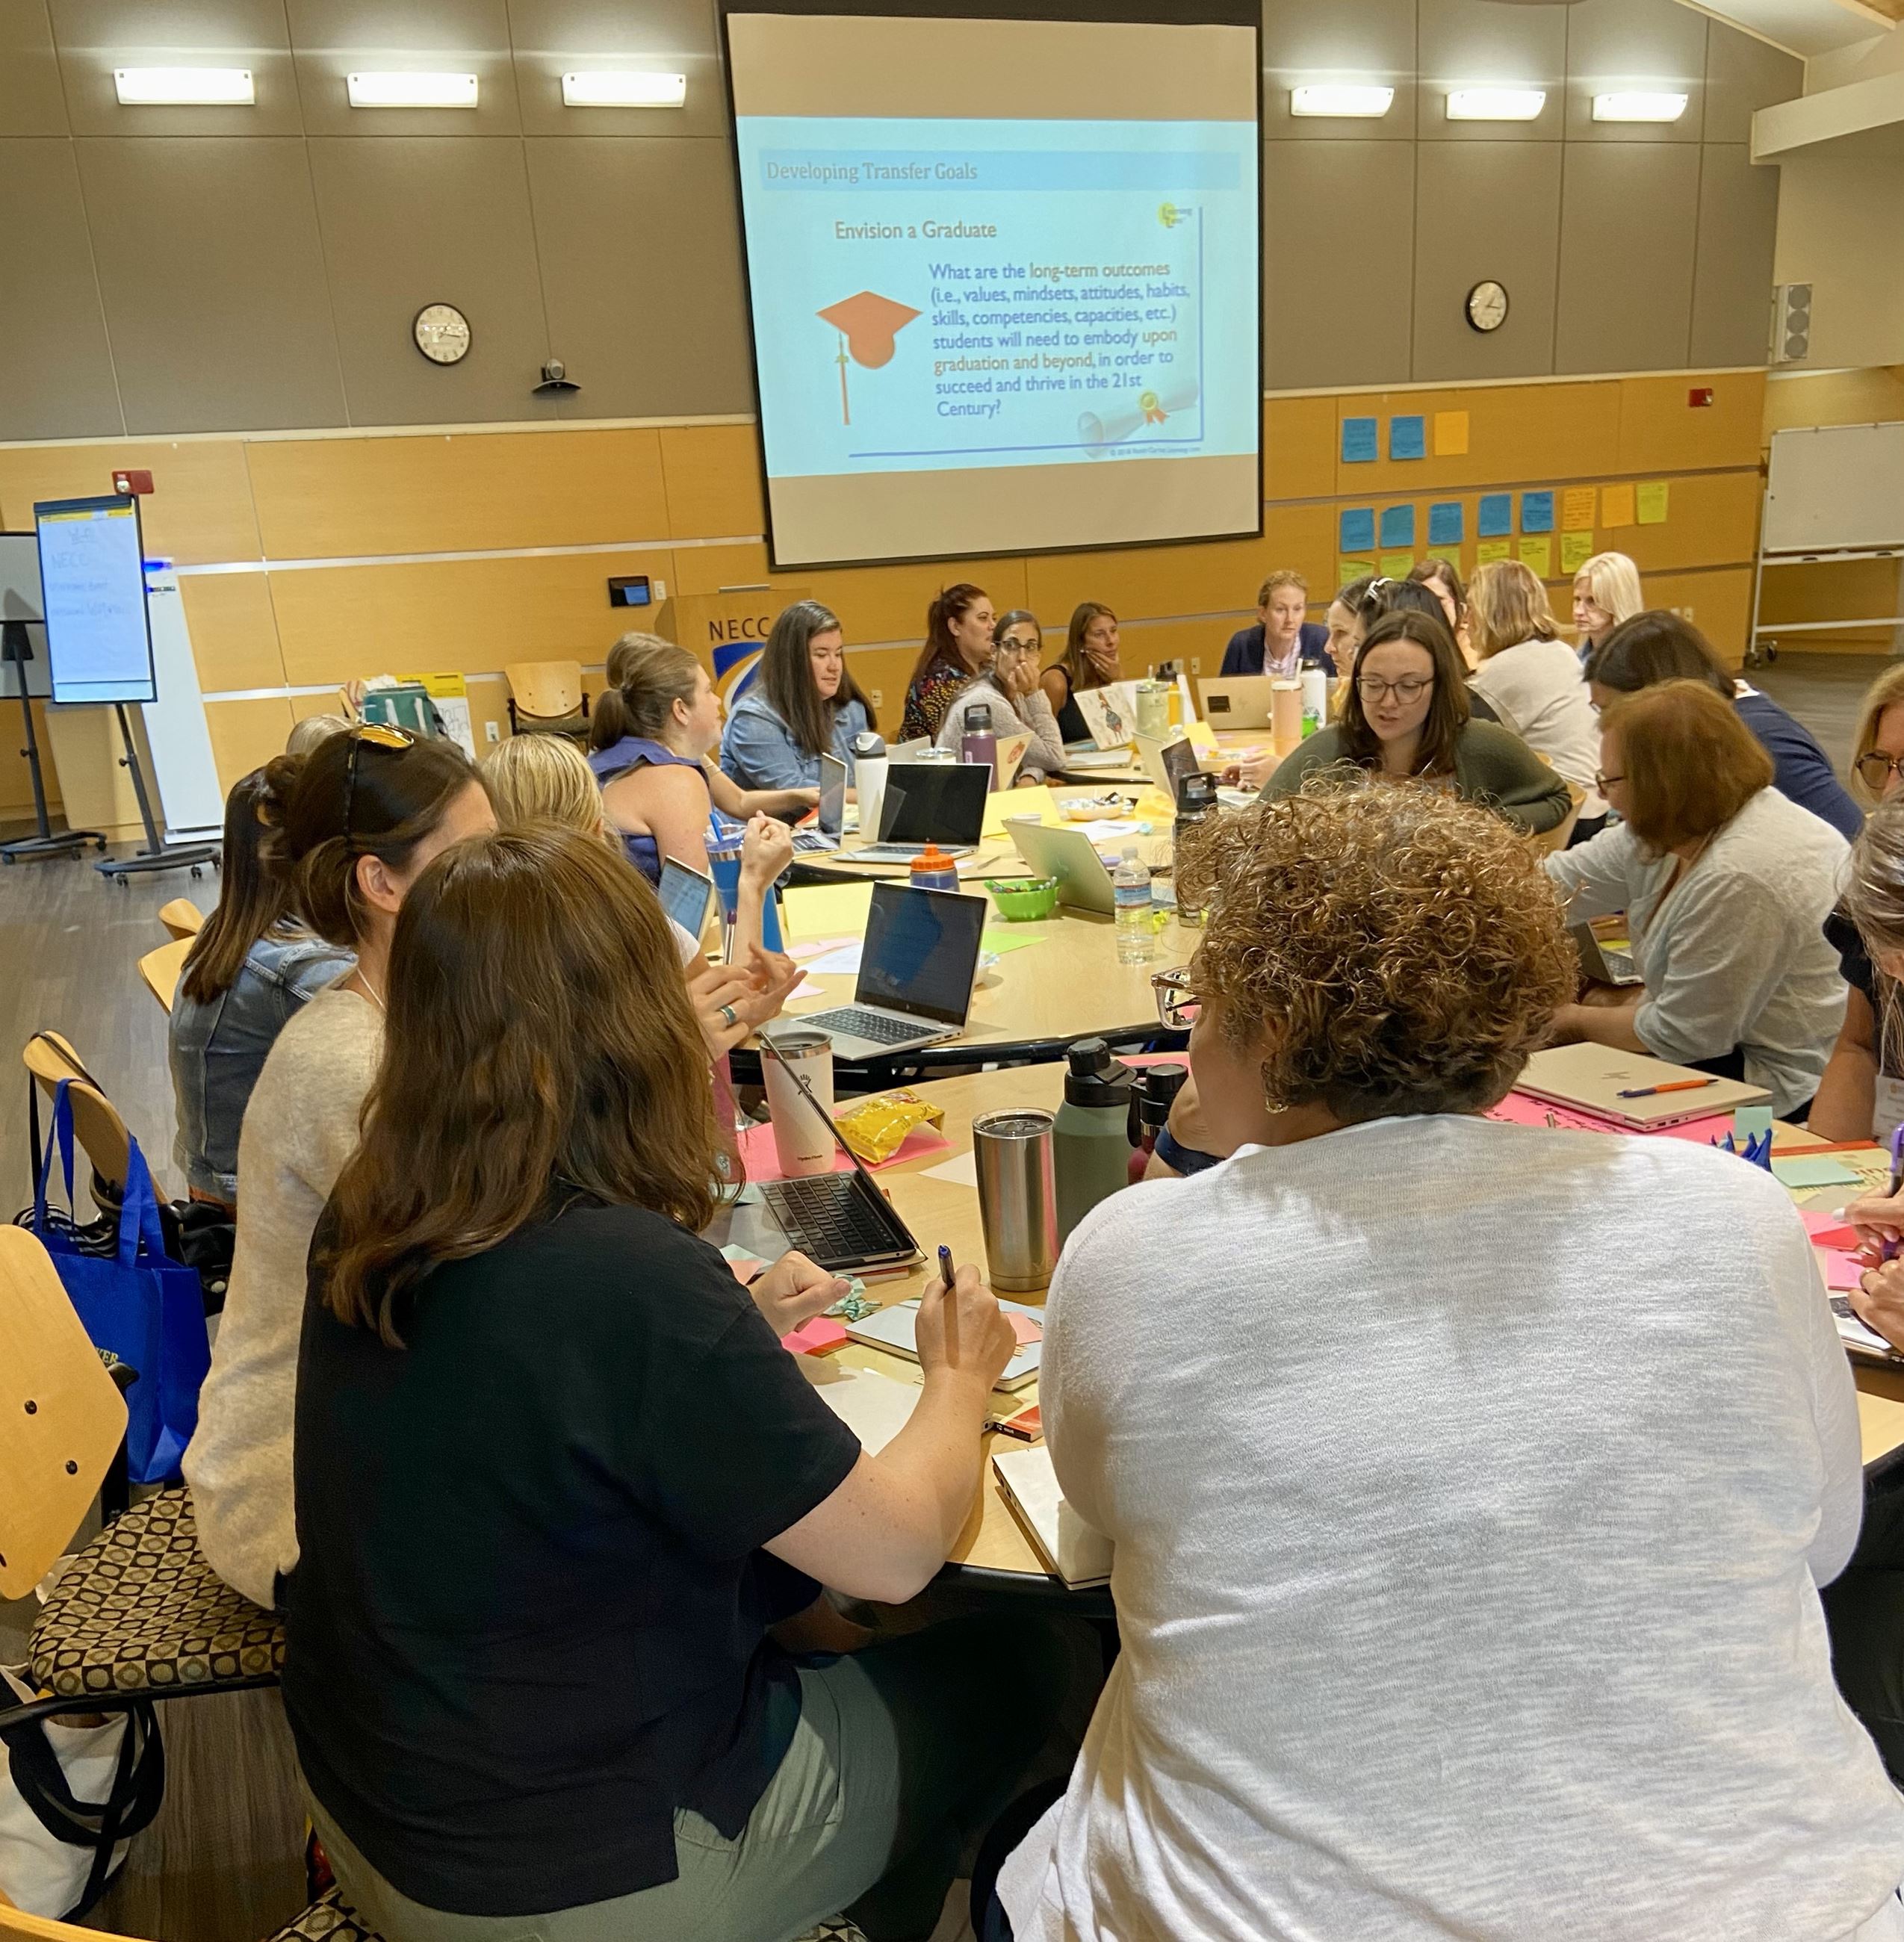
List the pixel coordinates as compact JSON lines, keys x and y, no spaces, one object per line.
{"x":1629,"y":215}
{"x":713,"y":476}
{"x":1346,"y":40}
{"x":640,"y":244}
{"x":332,"y":39}
{"x":555,"y":37}
{"x":1338,"y":264}
{"x":1298,"y":448}
{"x":246,"y":734}
{"x":1486,"y":210}
{"x":411,"y":220}
{"x":1516,"y":434}
{"x":1661,"y":430}
{"x":32,"y":101}
{"x":1479,"y":44}
{"x":16,"y":779}
{"x":95,"y":36}
{"x":198,"y":513}
{"x":1732,"y":275}
{"x":55,"y":366}
{"x":1656,"y":45}
{"x":1743,"y":75}
{"x":1717,"y":603}
{"x":213,"y":282}
{"x":233,"y":631}
{"x":344,"y":498}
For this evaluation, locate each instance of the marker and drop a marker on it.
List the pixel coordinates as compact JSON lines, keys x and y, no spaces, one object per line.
{"x":945,"y":1266}
{"x":1673,"y":1086}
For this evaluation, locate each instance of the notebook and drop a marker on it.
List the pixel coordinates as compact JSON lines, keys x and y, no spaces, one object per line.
{"x":1068,"y":1547}
{"x":894,"y":1328}
{"x":874,"y":1407}
{"x":1593,"y":1077}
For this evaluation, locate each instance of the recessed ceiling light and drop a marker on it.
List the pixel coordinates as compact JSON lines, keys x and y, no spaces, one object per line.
{"x":1496,"y":104}
{"x":1638,"y":107}
{"x":623,"y":87}
{"x":386,"y":90}
{"x":1352,"y":101}
{"x":183,"y":87}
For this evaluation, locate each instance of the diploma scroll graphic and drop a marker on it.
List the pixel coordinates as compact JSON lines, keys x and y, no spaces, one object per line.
{"x":1095,"y":433}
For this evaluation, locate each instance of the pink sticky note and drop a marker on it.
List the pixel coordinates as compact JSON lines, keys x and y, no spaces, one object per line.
{"x":744,"y":1269}
{"x":1028,"y":1328}
{"x":810,"y":1338}
{"x":1827,"y":1230}
{"x":1842,"y":1271}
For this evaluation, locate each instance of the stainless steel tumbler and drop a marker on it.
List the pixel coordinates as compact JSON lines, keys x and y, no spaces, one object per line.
{"x":1017,"y":1197}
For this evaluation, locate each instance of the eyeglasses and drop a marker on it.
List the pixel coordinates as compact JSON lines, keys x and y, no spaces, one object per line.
{"x":1177,"y":1004}
{"x":1603,"y":783}
{"x":1409,"y":689}
{"x":1876,"y":768}
{"x":379,"y":734}
{"x":1013,"y":644}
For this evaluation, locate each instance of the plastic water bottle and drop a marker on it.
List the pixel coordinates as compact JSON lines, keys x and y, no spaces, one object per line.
{"x":1131,"y":887}
{"x":1315,"y":701}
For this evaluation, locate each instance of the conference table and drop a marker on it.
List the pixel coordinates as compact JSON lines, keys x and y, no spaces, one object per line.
{"x":992,"y":1549}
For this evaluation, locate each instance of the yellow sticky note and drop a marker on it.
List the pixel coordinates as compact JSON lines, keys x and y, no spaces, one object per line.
{"x":1653,"y":498}
{"x":829,"y":910}
{"x":1577,"y":507}
{"x":1489,"y":551}
{"x":1397,"y":565}
{"x":1203,"y":737}
{"x":1002,"y":803}
{"x":1537,"y":551}
{"x":1451,"y":434}
{"x":1348,"y":570}
{"x":1617,"y":506}
{"x":1576,"y":549}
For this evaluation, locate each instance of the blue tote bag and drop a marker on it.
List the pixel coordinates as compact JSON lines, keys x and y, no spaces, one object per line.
{"x":138,"y":1304}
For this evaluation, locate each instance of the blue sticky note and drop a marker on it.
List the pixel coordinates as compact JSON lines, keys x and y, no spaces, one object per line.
{"x":1397,"y":527}
{"x":1445,"y":523}
{"x":1497,"y":520}
{"x":1408,"y":437}
{"x":1360,"y":444}
{"x":1536,"y":511}
{"x":1358,"y":531}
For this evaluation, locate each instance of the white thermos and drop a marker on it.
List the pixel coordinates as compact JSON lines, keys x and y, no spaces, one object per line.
{"x":1315,"y":701}
{"x":869,"y":781}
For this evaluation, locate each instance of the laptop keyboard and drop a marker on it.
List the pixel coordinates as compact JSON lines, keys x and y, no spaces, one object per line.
{"x":827,"y":1217}
{"x":853,"y":1021}
{"x":812,"y":839}
{"x":904,"y":853}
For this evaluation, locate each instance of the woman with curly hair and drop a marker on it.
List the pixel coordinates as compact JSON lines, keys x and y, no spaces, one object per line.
{"x":1467,"y":1557}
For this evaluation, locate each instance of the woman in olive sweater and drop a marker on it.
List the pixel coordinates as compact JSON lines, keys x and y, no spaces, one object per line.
{"x":1406,"y":717}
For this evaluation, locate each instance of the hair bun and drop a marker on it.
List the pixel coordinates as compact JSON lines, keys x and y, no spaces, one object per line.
{"x":281,"y":776}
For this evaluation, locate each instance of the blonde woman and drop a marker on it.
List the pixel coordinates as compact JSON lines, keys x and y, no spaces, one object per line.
{"x":1530,"y":677}
{"x":1606,"y":591}
{"x":545,"y":779}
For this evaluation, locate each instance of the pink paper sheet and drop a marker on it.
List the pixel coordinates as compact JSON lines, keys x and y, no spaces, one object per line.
{"x":812,"y":1338}
{"x":1827,"y":1230}
{"x":1523,"y":1109}
{"x":1842,"y":1271}
{"x":762,"y":1162}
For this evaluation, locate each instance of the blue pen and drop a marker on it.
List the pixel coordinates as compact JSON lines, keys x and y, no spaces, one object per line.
{"x":945,"y":1266}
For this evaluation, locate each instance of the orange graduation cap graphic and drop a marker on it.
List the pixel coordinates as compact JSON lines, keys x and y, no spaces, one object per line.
{"x":867,"y":325}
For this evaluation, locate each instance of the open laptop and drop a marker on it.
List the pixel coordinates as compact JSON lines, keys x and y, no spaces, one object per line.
{"x":686,"y":895}
{"x":840,"y":1221}
{"x":1237,"y":701}
{"x":1167,"y":763}
{"x":1611,"y":964}
{"x":1068,"y":855}
{"x":917,"y":960}
{"x":929,"y":802}
{"x":831,"y":818}
{"x":1631,"y":1090}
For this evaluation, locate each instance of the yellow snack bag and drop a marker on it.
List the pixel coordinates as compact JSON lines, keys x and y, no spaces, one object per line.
{"x":875,"y":1127}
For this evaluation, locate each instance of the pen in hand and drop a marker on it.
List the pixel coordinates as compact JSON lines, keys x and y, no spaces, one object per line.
{"x":946,"y":1269}
{"x":946,"y":1273}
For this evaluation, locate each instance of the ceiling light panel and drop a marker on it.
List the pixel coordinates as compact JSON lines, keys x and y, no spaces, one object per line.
{"x":1350,"y":101}
{"x":183,"y":87}
{"x":1496,"y":104}
{"x":623,"y":87}
{"x":1634,"y":105}
{"x":399,"y":90}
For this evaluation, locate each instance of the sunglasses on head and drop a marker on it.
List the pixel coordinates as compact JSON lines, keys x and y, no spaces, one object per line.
{"x":379,"y":735}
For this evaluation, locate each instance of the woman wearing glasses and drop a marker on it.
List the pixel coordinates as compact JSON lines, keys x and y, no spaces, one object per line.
{"x":1471,"y":1589}
{"x":1018,"y":705}
{"x":352,"y":826}
{"x":1406,"y":719}
{"x":1726,"y":886}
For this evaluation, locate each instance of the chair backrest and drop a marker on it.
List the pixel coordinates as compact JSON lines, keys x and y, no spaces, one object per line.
{"x":161,"y":968}
{"x":548,"y":690}
{"x":96,"y":1120}
{"x":61,"y":1415}
{"x":181,"y":917}
{"x":16,"y":1927}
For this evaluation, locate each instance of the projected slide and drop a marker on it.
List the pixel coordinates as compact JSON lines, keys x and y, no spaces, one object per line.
{"x":1009,"y":332}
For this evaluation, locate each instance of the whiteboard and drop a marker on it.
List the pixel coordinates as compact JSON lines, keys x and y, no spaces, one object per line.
{"x":93,"y":588}
{"x":1835,"y":487}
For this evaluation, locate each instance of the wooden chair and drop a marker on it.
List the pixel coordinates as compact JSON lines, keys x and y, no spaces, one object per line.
{"x":96,"y":1120}
{"x":161,"y":968}
{"x":181,"y":917}
{"x":546,"y":698}
{"x":327,"y":1919}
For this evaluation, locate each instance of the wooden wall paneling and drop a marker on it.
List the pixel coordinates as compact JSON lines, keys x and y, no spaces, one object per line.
{"x":246,"y":734}
{"x":1830,"y":592}
{"x":1718,"y":603}
{"x":883,"y":673}
{"x":1712,"y":521}
{"x":1873,"y":396}
{"x":85,"y":748}
{"x":1153,"y":583}
{"x":1147,"y":644}
{"x":198,"y":513}
{"x":341,"y":498}
{"x":1660,"y":430}
{"x":711,"y":474}
{"x":489,"y":701}
{"x":1516,"y":433}
{"x":889,"y":603}
{"x":707,"y":569}
{"x":16,"y":780}
{"x":1299,"y":443}
{"x":474,"y":615}
{"x":233,"y":630}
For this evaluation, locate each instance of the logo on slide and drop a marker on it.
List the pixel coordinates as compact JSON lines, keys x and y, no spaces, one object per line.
{"x":867,"y":325}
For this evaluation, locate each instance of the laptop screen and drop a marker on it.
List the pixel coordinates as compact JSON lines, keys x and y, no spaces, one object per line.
{"x":685,"y":895}
{"x":833,"y":795}
{"x":1180,"y":760}
{"x":935,"y":802}
{"x":920,"y":950}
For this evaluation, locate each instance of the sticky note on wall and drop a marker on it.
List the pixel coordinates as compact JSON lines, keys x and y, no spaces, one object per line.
{"x":1617,"y":506}
{"x":1653,"y":499}
{"x":1397,"y":526}
{"x":1497,"y":516}
{"x":1446,"y":523}
{"x":1537,"y":552}
{"x":1451,"y":434}
{"x":1489,"y":551}
{"x":1347,"y":569}
{"x":1359,"y":444}
{"x":1536,"y":511}
{"x":1576,"y":549}
{"x":1577,"y":508}
{"x":1357,"y":529}
{"x":1397,"y":565}
{"x":1408,"y":437}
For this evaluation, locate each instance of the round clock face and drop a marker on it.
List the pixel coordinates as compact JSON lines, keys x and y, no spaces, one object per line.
{"x":1487,"y":306}
{"x":442,"y":333}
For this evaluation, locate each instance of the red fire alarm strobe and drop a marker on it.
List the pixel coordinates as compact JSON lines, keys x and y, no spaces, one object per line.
{"x":1698,"y":397}
{"x":132,"y":482}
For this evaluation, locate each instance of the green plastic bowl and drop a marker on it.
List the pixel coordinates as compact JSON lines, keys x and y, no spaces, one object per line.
{"x":1024,"y":899}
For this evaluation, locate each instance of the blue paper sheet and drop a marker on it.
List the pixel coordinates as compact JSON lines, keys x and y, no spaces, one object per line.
{"x":1360,"y":443}
{"x":1446,"y":524}
{"x":1357,"y":529}
{"x":1397,"y":527}
{"x":1408,"y":437}
{"x":1497,"y":516}
{"x":1536,"y":511}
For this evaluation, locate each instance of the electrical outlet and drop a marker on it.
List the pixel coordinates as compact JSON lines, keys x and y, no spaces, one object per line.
{"x":1196,"y":663}
{"x":877,"y":696}
{"x":493,"y":731}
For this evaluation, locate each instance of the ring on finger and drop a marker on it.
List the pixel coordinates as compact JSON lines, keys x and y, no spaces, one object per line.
{"x":731,"y":1016}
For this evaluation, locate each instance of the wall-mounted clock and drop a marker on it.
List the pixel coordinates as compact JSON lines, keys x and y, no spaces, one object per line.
{"x":1487,"y":306}
{"x":442,"y":333}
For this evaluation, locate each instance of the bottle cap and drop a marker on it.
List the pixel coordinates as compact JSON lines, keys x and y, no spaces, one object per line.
{"x":869,"y":746}
{"x":931,"y":858}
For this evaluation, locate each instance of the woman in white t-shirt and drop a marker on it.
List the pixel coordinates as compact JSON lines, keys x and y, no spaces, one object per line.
{"x":1471,"y":1483}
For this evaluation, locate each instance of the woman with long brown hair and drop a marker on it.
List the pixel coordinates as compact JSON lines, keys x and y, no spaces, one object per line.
{"x":557,"y":1482}
{"x":1089,"y":660}
{"x":959,"y":629}
{"x":802,"y":704}
{"x":1406,"y":719}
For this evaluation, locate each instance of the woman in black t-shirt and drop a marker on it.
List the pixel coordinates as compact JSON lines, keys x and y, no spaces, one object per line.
{"x":559,"y":1485}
